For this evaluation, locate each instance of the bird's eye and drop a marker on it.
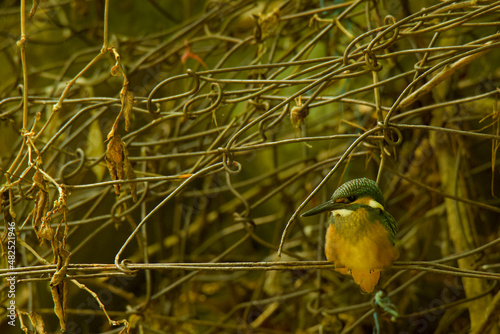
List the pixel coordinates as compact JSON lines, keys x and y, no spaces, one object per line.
{"x":351,"y":198}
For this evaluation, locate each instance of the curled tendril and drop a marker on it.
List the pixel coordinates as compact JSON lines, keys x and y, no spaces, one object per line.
{"x":216,"y":91}
{"x":81,"y":162}
{"x":371,"y":61}
{"x":228,"y":169}
{"x":122,"y":266}
{"x":196,"y":87}
{"x":228,"y":162}
{"x":388,"y":131}
{"x":389,"y":19}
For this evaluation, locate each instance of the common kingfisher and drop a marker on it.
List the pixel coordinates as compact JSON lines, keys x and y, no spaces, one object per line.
{"x":361,"y":234}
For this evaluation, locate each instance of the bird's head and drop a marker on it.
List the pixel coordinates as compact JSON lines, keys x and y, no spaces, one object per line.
{"x":349,"y":196}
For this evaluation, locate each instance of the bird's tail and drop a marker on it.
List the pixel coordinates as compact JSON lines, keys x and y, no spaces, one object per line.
{"x":366,"y":279}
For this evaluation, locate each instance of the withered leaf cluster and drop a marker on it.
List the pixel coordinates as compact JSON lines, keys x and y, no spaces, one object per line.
{"x":40,"y":224}
{"x":116,"y":153}
{"x":41,"y":221}
{"x":119,"y":165}
{"x":59,"y":288}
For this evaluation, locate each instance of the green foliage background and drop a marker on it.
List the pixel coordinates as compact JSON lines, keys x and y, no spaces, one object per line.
{"x":295,"y":94}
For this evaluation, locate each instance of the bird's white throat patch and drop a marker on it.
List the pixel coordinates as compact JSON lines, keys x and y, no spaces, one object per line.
{"x":342,"y":212}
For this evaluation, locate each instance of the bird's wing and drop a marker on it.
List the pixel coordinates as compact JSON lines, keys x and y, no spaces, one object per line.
{"x":390,"y":224}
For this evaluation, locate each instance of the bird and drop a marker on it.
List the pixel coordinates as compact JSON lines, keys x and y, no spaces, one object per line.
{"x":361,"y":234}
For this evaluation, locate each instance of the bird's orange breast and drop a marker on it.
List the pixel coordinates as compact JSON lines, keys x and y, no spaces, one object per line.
{"x":361,"y":248}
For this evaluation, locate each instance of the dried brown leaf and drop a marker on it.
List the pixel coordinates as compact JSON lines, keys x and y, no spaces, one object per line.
{"x":58,"y":287}
{"x":127,"y":98}
{"x":114,"y":160}
{"x":37,"y":323}
{"x":130,"y":175}
{"x":59,"y":297}
{"x":45,"y":232}
{"x":60,"y":234}
{"x":39,"y":181}
{"x":63,"y":257}
{"x":119,"y":166}
{"x":40,"y":210}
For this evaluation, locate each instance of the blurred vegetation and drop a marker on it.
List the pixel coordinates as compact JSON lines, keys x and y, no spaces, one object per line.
{"x":192,"y":132}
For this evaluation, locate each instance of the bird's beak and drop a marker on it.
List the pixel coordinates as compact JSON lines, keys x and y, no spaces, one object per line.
{"x":327,"y":206}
